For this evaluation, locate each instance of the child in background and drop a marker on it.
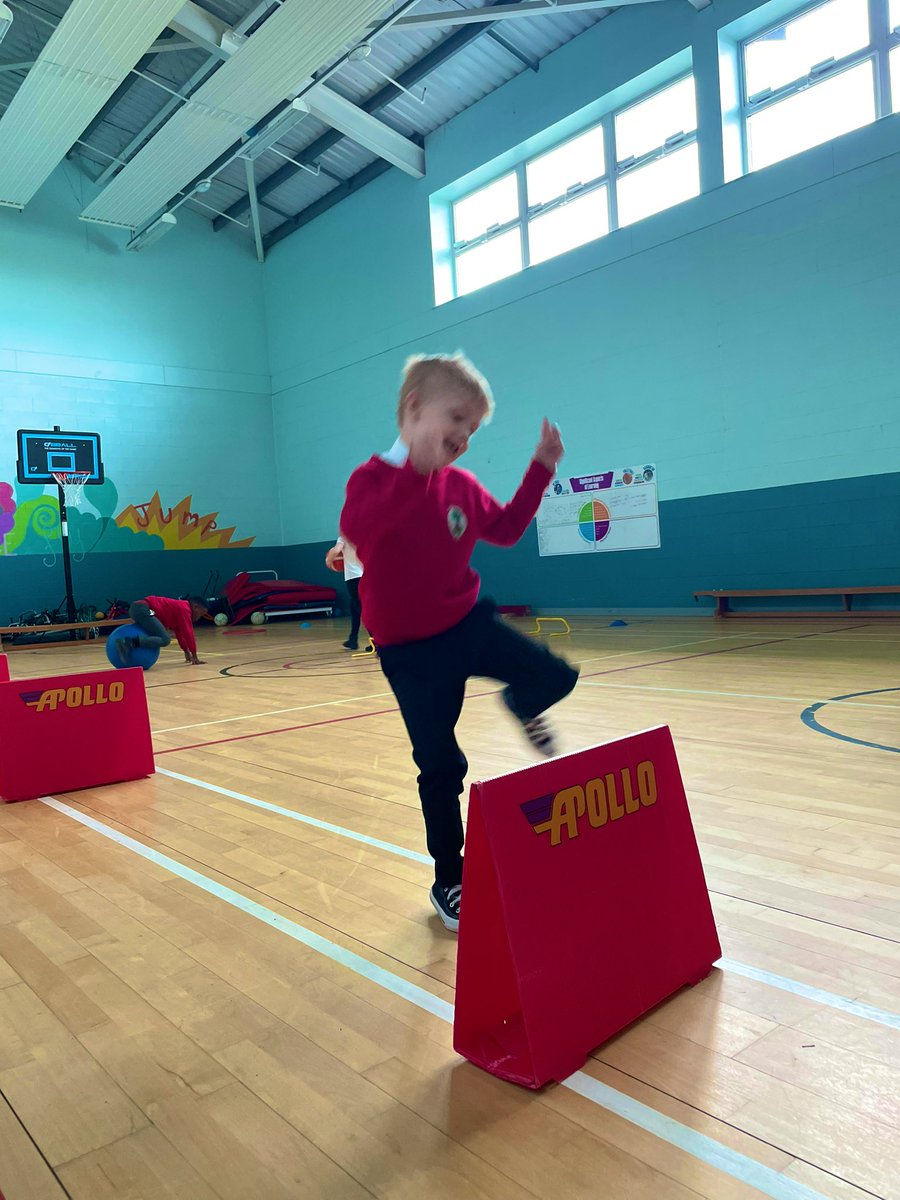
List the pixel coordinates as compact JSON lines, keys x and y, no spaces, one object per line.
{"x":155,"y":615}
{"x":341,"y":557}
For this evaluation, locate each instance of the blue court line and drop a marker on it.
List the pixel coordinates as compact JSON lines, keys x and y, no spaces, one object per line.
{"x":832,"y":999}
{"x":808,"y":717}
{"x":699,"y":1145}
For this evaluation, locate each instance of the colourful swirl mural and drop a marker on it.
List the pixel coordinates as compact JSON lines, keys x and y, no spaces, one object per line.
{"x":29,"y":523}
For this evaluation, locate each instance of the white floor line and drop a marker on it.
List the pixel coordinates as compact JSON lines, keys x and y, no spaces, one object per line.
{"x":857,"y":1007}
{"x":804,"y":700}
{"x":302,"y":817}
{"x":820,"y":995}
{"x":731,"y":1162}
{"x":720,"y":637}
{"x":275,"y":712}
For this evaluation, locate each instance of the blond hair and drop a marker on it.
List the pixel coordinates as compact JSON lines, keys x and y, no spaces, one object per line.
{"x":420,"y":371}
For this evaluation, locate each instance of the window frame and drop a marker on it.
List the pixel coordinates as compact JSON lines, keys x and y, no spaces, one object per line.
{"x":881,"y":41}
{"x":613,"y":171}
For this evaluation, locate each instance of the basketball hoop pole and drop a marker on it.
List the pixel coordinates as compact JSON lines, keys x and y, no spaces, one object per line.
{"x":70,"y":459}
{"x":67,"y":562}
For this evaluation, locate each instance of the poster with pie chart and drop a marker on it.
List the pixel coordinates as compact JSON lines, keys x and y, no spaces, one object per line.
{"x":594,"y":521}
{"x":604,"y":511}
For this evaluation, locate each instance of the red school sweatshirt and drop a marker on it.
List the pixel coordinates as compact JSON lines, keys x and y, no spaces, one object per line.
{"x":414,"y":535}
{"x":175,"y":615}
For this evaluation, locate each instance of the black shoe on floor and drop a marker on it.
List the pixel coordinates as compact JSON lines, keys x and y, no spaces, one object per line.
{"x":350,"y":645}
{"x":446,"y":904}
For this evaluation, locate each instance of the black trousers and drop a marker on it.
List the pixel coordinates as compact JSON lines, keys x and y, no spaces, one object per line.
{"x":352,"y":586}
{"x":428,"y":678}
{"x":153,"y":633}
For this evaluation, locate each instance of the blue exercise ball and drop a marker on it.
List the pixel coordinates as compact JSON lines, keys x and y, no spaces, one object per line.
{"x":135,"y":656}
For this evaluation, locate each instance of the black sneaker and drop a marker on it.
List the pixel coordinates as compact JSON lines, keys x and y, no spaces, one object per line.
{"x":537,"y":729}
{"x":350,"y":645}
{"x":123,"y":649}
{"x":446,"y":904}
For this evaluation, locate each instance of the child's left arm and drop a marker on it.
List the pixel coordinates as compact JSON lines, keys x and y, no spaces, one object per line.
{"x":504,"y":524}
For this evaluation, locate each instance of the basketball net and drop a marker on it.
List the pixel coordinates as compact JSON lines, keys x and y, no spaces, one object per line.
{"x":72,"y":484}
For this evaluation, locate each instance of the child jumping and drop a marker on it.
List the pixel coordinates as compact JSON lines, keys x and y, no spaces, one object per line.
{"x":414,"y":519}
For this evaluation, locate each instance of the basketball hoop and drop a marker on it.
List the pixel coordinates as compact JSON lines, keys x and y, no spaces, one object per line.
{"x":72,"y":484}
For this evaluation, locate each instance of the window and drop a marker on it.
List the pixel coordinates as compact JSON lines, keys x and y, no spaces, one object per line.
{"x":487,"y":240}
{"x":895,"y":78}
{"x":494,"y":205}
{"x":787,"y":54}
{"x":492,"y":260}
{"x":564,"y":198}
{"x":659,"y":185}
{"x":568,"y":200}
{"x":808,"y":118}
{"x":656,"y":150}
{"x":809,"y":80}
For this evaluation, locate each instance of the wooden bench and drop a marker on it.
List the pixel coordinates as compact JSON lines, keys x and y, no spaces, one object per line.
{"x":10,"y":631}
{"x":723,"y":595}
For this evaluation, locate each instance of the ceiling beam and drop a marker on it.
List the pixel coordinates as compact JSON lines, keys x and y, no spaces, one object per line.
{"x":201,"y":28}
{"x":90,"y":52}
{"x":185,"y":91}
{"x":350,"y":120}
{"x":533,"y":64}
{"x":167,"y":45}
{"x":409,"y":78}
{"x":208,"y":132}
{"x":347,"y":188}
{"x":503,"y":12}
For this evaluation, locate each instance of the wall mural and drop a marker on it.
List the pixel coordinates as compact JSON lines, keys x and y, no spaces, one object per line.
{"x":29,"y":523}
{"x":179,"y":528}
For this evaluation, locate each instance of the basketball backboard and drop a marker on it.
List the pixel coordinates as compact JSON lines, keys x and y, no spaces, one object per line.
{"x":41,"y":452}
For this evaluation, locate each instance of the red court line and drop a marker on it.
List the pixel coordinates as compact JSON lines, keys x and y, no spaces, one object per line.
{"x":242,"y":737}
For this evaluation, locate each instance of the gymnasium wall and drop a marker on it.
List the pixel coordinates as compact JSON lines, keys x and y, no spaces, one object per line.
{"x":162,"y":352}
{"x":743,"y":341}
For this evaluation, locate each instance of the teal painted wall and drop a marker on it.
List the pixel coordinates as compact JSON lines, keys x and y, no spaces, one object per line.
{"x":164,"y":353}
{"x":743,"y":341}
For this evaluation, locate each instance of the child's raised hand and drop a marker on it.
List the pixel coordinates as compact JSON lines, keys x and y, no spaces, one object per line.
{"x":550,"y":448}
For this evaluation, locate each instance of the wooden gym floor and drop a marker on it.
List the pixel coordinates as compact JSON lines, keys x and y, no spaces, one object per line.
{"x":167,"y":1030}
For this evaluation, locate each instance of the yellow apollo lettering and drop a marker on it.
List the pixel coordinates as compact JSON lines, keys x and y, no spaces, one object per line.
{"x":632,"y":803}
{"x":646,"y":776}
{"x":600,"y":799}
{"x":595,"y":796}
{"x":81,"y":696}
{"x":615,"y":808}
{"x":568,"y":806}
